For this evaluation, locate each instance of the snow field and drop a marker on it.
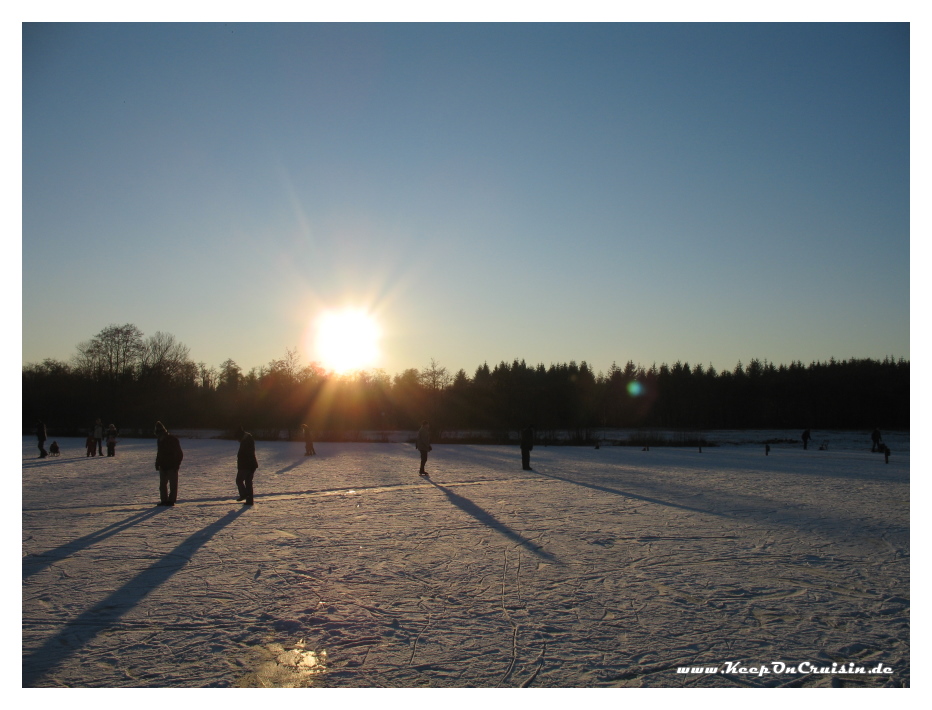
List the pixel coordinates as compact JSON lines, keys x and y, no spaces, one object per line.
{"x":600,"y":568}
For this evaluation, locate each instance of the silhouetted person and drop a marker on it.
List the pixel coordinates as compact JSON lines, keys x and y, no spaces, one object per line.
{"x":90,"y":444}
{"x":766,"y":449}
{"x":167,"y":462}
{"x":41,"y":436}
{"x":527,"y":444}
{"x":308,"y":443}
{"x":886,"y":452}
{"x":422,"y":444}
{"x":875,"y":440}
{"x":54,"y":450}
{"x":806,"y":437}
{"x":246,"y":465}
{"x":99,"y":437}
{"x":111,"y":440}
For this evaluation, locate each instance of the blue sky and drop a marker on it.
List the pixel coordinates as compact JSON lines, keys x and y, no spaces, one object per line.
{"x":654,"y":192}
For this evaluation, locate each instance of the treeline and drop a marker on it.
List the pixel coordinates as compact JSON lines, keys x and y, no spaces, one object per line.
{"x":132,"y":381}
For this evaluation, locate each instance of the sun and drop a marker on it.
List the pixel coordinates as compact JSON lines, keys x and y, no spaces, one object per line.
{"x":347,"y":340}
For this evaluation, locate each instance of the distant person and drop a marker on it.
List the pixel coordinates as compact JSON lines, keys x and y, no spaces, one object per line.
{"x":90,"y":444}
{"x":527,"y":444}
{"x":422,"y":444}
{"x":875,"y":440}
{"x":308,"y":443}
{"x":886,"y":452}
{"x":41,"y":436}
{"x":111,"y":440}
{"x":54,"y":450}
{"x":806,"y":437}
{"x":246,"y":465}
{"x":99,"y":437}
{"x":167,"y":462}
{"x":766,"y":449}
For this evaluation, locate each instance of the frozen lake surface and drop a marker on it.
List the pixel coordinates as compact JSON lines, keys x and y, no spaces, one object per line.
{"x":599,"y":568}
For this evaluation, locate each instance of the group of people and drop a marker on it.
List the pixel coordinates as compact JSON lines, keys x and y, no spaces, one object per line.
{"x":877,"y":444}
{"x":169,"y":456}
{"x":94,"y":441}
{"x":93,"y":444}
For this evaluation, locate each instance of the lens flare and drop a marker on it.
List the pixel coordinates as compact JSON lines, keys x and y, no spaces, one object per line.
{"x":635,"y":389}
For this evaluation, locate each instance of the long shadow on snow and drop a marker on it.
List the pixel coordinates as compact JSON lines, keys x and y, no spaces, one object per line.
{"x":486,"y":518}
{"x":106,"y":613}
{"x":51,"y":461}
{"x":291,"y":467}
{"x":37,"y":562}
{"x":738,"y":507}
{"x":813,"y":464}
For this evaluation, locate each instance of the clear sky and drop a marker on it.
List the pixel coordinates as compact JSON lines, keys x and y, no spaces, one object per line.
{"x":704,"y":193}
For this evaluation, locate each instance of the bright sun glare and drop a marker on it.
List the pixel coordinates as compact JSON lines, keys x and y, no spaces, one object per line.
{"x":347,"y":340}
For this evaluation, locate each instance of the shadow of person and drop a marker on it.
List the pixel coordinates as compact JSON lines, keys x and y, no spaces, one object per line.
{"x":486,"y":518}
{"x":80,"y":631}
{"x":33,"y":563}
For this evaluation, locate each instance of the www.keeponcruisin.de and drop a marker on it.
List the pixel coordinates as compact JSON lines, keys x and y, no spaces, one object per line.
{"x":780,"y":668}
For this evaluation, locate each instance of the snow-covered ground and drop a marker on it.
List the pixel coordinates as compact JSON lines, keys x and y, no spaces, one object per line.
{"x":601,"y":567}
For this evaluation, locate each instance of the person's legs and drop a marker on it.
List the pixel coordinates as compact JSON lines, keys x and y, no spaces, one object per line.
{"x":244,"y":484}
{"x":163,"y":487}
{"x":172,"y":486}
{"x":423,"y":459}
{"x":248,"y":486}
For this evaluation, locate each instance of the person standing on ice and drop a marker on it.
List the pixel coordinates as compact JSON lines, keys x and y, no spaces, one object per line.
{"x":167,"y":462}
{"x":422,"y":444}
{"x":806,"y":437}
{"x":111,"y":440}
{"x":41,"y":436}
{"x":875,"y":440}
{"x":99,"y":437}
{"x":308,"y":443}
{"x":246,"y":465}
{"x":527,"y":443}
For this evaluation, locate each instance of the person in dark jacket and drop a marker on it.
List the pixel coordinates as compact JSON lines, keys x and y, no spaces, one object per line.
{"x":111,"y":440}
{"x":246,"y":465}
{"x":875,"y":441}
{"x":807,"y":435}
{"x":167,"y":462}
{"x":422,"y":444}
{"x":41,"y":436}
{"x":527,"y":443}
{"x":99,"y":436}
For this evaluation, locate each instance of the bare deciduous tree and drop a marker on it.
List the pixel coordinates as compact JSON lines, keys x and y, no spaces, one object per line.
{"x":164,"y":357}
{"x":113,"y":354}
